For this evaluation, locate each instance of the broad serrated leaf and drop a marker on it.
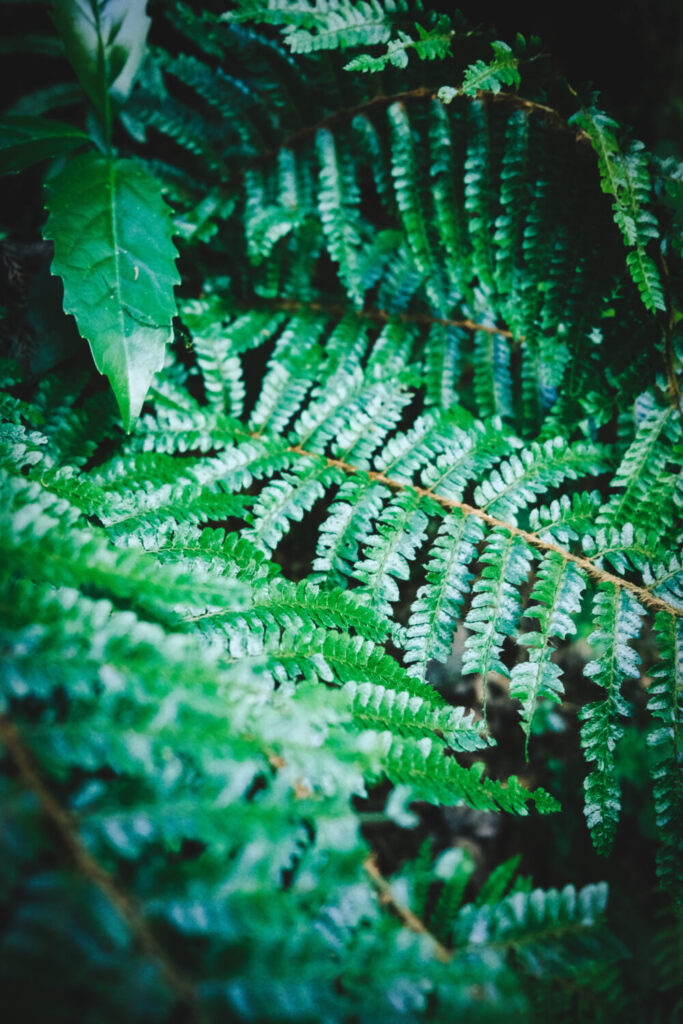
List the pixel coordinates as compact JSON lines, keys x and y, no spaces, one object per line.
{"x":113,"y":250}
{"x":28,"y":140}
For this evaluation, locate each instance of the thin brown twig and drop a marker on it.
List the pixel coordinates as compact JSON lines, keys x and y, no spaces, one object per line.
{"x":91,"y":869}
{"x":419,"y":93}
{"x":409,"y":919}
{"x":642,"y":593}
{"x":383,"y":315}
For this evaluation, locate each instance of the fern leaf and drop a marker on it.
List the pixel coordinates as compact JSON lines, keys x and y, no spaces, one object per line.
{"x":643,"y":461}
{"x":412,"y":201}
{"x":534,"y":925}
{"x":510,"y":221}
{"x":445,"y":142}
{"x":493,"y":889}
{"x":492,"y":376}
{"x":387,"y":553}
{"x":348,"y":525}
{"x":410,"y":714}
{"x":565,"y":519}
{"x":557,"y":594}
{"x":327,"y":26}
{"x":478,"y":196}
{"x":291,"y":372}
{"x":338,"y":201}
{"x":625,"y":176}
{"x":466,"y":454}
{"x":439,"y":779}
{"x":537,"y":468}
{"x":39,"y":533}
{"x":502,"y":70}
{"x":436,"y":609}
{"x":289,"y":498}
{"x":618,"y":617}
{"x":496,"y":606}
{"x":665,"y":702}
{"x":431,"y":44}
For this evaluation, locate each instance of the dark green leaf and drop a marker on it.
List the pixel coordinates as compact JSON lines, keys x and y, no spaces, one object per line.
{"x":28,"y":140}
{"x":113,"y":250}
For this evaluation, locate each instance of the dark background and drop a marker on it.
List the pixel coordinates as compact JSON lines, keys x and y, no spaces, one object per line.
{"x":631,"y":50}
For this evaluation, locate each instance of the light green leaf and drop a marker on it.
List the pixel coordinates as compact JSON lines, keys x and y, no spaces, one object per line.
{"x":114,"y":253}
{"x":27,"y":140}
{"x":105,"y":42}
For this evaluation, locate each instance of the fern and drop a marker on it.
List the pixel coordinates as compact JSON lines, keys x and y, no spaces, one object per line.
{"x":618,"y":617}
{"x":413,"y":416}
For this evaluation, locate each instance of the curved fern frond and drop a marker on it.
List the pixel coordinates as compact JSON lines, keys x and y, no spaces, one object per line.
{"x":437,"y":607}
{"x":665,"y":701}
{"x":557,"y":593}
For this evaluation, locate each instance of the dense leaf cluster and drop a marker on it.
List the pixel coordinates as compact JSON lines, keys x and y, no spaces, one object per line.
{"x":410,"y":389}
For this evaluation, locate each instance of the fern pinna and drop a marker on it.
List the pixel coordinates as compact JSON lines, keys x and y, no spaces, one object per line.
{"x":425,"y":377}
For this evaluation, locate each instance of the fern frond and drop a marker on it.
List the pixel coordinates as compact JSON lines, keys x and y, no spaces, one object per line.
{"x":501,"y":70}
{"x":349,"y":523}
{"x":412,"y":202}
{"x":328,"y":25}
{"x":557,"y":593}
{"x":40,"y":534}
{"x":643,"y":462}
{"x":388,"y":552}
{"x":432,"y":44}
{"x":496,"y":606}
{"x":567,"y":518}
{"x":289,"y":498}
{"x":411,"y":714}
{"x":618,"y":616}
{"x":439,"y":779}
{"x":466,"y":455}
{"x":531,"y":925}
{"x":492,"y":376}
{"x":665,"y":702}
{"x":625,"y":176}
{"x":338,"y":201}
{"x":436,"y":609}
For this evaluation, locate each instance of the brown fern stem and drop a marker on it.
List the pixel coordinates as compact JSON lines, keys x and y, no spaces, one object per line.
{"x":405,"y":914}
{"x":383,"y":316}
{"x":93,"y":871}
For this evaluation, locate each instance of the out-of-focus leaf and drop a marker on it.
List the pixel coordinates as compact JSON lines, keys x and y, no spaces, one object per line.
{"x":28,"y":140}
{"x":105,"y":42}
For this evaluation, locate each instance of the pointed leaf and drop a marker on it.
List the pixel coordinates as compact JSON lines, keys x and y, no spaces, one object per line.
{"x":113,"y":250}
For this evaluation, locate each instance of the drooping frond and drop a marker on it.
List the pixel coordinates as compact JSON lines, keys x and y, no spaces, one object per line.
{"x":439,"y":601}
{"x":665,"y":701}
{"x":619,"y":618}
{"x":557,"y":597}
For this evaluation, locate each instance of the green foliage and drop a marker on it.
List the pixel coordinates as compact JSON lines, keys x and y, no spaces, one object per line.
{"x":414,"y":387}
{"x":502,"y":70}
{"x":431,"y":44}
{"x":120,"y":290}
{"x":105,"y":44}
{"x":626,"y":177}
{"x":28,"y":140}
